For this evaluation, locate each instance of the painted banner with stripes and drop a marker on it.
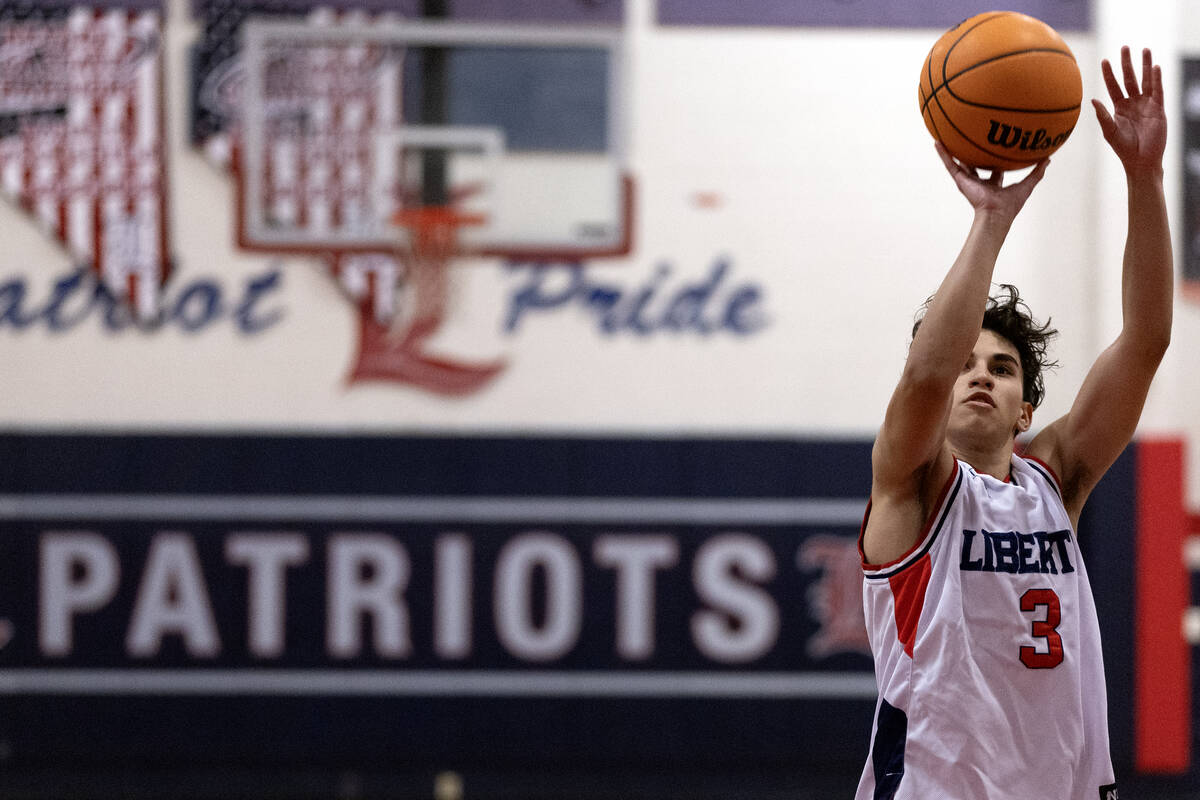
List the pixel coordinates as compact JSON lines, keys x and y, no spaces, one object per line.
{"x":81,"y":136}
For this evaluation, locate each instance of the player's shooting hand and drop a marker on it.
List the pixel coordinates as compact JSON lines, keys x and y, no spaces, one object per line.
{"x":1137,"y":127}
{"x":990,"y":194}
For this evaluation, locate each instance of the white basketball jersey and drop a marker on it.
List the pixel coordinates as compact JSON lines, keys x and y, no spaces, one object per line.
{"x":987,"y":652}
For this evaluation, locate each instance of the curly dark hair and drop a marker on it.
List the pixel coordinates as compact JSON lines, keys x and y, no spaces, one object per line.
{"x":1007,"y":315}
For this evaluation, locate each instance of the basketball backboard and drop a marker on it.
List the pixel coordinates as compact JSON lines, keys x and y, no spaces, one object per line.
{"x":345,"y":124}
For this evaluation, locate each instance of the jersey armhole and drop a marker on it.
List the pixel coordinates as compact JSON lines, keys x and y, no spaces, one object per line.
{"x":1048,"y":472}
{"x":922,"y":538}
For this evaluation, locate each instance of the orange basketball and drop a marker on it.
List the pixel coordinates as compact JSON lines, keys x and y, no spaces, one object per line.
{"x":1000,"y":90}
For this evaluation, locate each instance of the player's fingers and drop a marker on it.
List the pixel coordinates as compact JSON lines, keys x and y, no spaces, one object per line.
{"x":1035,"y":175}
{"x":1131,"y":84}
{"x":1147,"y":72}
{"x":1110,"y":81}
{"x":1026,"y":185}
{"x":1104,"y":118}
{"x":947,"y":159}
{"x":955,"y":167}
{"x":1158,"y":90}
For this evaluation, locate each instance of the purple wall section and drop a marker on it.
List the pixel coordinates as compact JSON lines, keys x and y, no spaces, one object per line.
{"x":574,"y":11}
{"x":1067,"y":15}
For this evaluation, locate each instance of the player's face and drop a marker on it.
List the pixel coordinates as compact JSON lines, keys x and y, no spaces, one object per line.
{"x":988,"y":407}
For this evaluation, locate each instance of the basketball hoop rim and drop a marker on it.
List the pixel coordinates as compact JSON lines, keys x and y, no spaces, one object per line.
{"x":419,"y":217}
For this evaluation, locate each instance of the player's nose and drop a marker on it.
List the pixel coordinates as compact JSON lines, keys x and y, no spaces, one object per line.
{"x":979,"y":376}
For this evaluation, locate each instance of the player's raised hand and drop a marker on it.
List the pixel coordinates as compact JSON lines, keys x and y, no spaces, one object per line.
{"x":1136,"y":129}
{"x":990,"y":194}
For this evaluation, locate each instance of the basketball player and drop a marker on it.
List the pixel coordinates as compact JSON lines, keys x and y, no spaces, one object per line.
{"x":981,"y":619}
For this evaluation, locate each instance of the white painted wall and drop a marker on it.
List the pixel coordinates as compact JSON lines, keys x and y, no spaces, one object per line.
{"x":828,"y":195}
{"x":1172,"y":30}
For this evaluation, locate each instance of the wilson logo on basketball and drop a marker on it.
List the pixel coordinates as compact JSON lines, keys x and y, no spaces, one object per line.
{"x":1011,"y":137}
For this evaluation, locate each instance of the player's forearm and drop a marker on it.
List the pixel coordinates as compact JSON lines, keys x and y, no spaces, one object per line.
{"x":951,"y":325}
{"x":1147,"y":280}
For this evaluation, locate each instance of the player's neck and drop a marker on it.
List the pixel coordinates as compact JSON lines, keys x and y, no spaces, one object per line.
{"x":994,"y":462}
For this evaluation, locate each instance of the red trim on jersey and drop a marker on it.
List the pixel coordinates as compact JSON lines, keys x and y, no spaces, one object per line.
{"x":862,"y":529}
{"x":1049,"y":470}
{"x":928,"y":526}
{"x":908,"y":598}
{"x":1162,"y":691}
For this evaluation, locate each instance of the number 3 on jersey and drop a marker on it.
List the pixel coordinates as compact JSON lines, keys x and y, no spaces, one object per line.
{"x":1046,"y":628}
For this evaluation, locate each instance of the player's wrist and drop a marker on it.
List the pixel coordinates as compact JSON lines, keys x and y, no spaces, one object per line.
{"x":1144,"y":172}
{"x":994,"y":221}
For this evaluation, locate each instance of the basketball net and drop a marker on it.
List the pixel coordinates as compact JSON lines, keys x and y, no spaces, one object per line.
{"x":425,"y":255}
{"x":398,"y":351}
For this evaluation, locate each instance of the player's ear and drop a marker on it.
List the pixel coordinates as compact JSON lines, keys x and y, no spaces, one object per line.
{"x":1025,"y":421}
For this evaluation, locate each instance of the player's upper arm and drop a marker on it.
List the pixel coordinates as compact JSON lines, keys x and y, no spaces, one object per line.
{"x":1082,"y":444}
{"x":909,"y":461}
{"x":913,"y":433}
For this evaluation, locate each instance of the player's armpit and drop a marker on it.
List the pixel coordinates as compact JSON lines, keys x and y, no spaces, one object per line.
{"x":1081,"y":445}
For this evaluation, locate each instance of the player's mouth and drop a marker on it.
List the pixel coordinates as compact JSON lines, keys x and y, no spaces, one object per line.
{"x":981,"y":398}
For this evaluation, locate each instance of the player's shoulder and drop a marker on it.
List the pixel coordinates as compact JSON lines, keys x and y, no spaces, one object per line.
{"x":1046,"y":447}
{"x":1037,"y":471}
{"x":900,"y":512}
{"x":1048,"y":451}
